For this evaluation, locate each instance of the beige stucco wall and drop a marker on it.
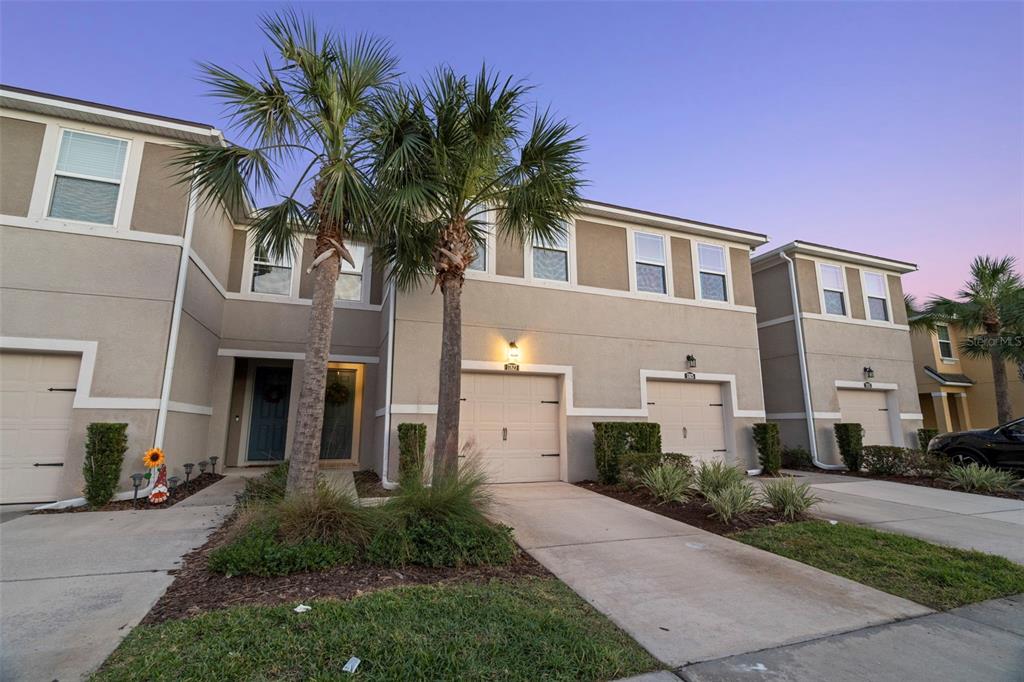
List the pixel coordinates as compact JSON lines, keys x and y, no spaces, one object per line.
{"x":234,"y":282}
{"x":161,"y":202}
{"x":212,"y":239}
{"x":682,"y":267}
{"x":742,"y":282}
{"x":780,"y":369}
{"x":601,"y":256}
{"x":20,"y":144}
{"x":807,"y":285}
{"x":508,"y":260}
{"x":856,"y":293}
{"x":772,"y":294}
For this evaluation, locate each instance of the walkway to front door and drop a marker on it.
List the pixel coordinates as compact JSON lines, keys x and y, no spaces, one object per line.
{"x":684,"y":594}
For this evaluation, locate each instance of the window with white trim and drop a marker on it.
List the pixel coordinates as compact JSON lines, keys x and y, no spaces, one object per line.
{"x":650,"y":262}
{"x":349,"y":286}
{"x":270,"y":275}
{"x":945,"y":342}
{"x":87,"y":181}
{"x":711,"y":262}
{"x":551,"y":258}
{"x":833,"y":289}
{"x":479,"y":262}
{"x":878,"y":302}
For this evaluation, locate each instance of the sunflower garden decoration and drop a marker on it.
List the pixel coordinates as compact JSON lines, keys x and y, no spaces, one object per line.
{"x":154,"y":459}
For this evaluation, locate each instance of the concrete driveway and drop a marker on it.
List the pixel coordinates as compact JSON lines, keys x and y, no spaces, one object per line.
{"x":73,"y":585}
{"x":988,"y":524}
{"x":684,"y":594}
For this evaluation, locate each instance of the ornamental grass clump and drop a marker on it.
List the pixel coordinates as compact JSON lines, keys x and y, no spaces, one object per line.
{"x":327,"y":516}
{"x":983,"y":479}
{"x":668,"y":482}
{"x":714,"y":476}
{"x":789,"y":499}
{"x":733,"y":502}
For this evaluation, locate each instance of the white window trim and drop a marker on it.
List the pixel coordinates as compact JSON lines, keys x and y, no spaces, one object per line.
{"x":847,"y":313}
{"x":120,"y":182}
{"x":634,"y":259}
{"x":491,"y":256}
{"x":570,"y":260}
{"x":695,"y":257}
{"x":249,"y":266}
{"x":885,"y":291}
{"x":938,"y":343}
{"x":366,"y":281}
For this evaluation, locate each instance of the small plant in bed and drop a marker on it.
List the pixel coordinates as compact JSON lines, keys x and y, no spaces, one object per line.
{"x":976,"y":478}
{"x":788,"y":498}
{"x":734,"y":501}
{"x":714,"y":476}
{"x":668,"y":483}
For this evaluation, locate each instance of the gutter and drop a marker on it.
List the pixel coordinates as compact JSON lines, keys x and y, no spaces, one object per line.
{"x":802,"y":354}
{"x":393,"y":296}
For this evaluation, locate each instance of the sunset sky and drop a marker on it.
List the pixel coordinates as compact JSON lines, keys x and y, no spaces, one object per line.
{"x":891,"y":128}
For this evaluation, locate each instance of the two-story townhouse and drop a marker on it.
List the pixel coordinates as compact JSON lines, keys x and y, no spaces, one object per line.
{"x":124,"y":299}
{"x":957,"y":393}
{"x":835,"y":346}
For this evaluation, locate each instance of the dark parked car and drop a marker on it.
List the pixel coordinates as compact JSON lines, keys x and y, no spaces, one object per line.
{"x":1001,"y":447}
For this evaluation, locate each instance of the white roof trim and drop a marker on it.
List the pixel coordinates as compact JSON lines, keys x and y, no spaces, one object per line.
{"x":837,"y":254}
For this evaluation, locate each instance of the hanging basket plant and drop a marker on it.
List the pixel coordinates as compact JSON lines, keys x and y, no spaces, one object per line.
{"x":337,"y":393}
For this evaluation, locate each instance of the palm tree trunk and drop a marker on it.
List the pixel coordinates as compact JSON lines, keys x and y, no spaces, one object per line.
{"x":446,"y":435}
{"x":1004,"y":410}
{"x":309,"y":417}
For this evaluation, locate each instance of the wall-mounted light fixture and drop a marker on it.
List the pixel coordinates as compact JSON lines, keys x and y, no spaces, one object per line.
{"x":691,"y":361}
{"x":869,"y":373}
{"x":512,"y":356}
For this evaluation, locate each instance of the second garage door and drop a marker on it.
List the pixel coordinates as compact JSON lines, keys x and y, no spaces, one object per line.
{"x":513,"y":420}
{"x":867,"y":408}
{"x":691,"y":415}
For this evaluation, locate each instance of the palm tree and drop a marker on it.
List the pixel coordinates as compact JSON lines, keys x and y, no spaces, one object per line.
{"x":304,"y":108}
{"x":447,"y":156}
{"x":918,"y":318}
{"x":991,"y":302}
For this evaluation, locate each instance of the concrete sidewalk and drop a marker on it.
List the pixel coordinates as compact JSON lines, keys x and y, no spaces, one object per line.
{"x":684,"y":594}
{"x":73,"y":585}
{"x":988,"y":524}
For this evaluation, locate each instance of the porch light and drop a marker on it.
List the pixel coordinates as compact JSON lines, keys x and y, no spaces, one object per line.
{"x":513,"y":352}
{"x":869,"y":373}
{"x":136,"y":483}
{"x":213,"y":463}
{"x":188,"y":470}
{"x":691,"y":361}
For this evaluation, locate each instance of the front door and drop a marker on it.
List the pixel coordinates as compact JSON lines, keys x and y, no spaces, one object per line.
{"x":268,"y":426}
{"x":339,"y":414}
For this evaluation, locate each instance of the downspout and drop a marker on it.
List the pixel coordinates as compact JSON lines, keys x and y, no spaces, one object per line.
{"x":392,"y":296}
{"x":801,"y":353}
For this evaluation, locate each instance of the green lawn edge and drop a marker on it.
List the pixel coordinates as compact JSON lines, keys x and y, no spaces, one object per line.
{"x":933,"y":575}
{"x":524,"y":629}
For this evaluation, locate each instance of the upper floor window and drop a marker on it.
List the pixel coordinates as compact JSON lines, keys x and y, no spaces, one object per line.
{"x":945,"y":342}
{"x":833,"y":289}
{"x":271,"y":276}
{"x":87,"y":181}
{"x":711,"y":260}
{"x":650,"y":263}
{"x":878,"y":304}
{"x":349,"y":286}
{"x":551,"y":258}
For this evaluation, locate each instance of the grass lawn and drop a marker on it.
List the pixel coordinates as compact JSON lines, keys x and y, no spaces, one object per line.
{"x":933,"y":575}
{"x":527,"y":629}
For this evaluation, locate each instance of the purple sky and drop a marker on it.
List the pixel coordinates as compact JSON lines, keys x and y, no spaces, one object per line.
{"x":891,"y":128}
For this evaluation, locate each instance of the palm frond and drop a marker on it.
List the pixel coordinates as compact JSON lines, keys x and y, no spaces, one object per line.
{"x":918,"y":318}
{"x":261,"y":108}
{"x":279,"y":229}
{"x":230,"y":174}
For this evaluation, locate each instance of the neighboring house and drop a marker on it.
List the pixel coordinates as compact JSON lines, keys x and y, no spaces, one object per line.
{"x":958,"y":393}
{"x":845,"y":357}
{"x":634,"y":316}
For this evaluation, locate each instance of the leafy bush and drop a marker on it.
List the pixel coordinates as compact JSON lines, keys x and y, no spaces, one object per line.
{"x":258,"y":551}
{"x":972,"y":477}
{"x":105,"y":445}
{"x":886,"y":460}
{"x":787,"y":498}
{"x":668,"y":482}
{"x":850,"y":439}
{"x":267,"y":488}
{"x":733,"y":502}
{"x":769,"y":447}
{"x":922,"y":463}
{"x":924,"y":436}
{"x":714,"y":476}
{"x":412,"y":448}
{"x":327,"y":516}
{"x":614,"y":439}
{"x":460,"y":542}
{"x":796,"y":457}
{"x":634,"y":465}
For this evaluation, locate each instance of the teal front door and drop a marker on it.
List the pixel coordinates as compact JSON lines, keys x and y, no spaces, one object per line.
{"x":339,"y":414}
{"x":268,"y":426}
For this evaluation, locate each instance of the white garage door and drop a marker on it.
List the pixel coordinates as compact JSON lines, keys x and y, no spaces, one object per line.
{"x":691,"y":415}
{"x":35,"y":417}
{"x":513,"y":420}
{"x":867,"y":408}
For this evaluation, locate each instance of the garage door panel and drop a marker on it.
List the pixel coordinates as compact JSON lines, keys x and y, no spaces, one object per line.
{"x":869,"y":409}
{"x":691,"y":417}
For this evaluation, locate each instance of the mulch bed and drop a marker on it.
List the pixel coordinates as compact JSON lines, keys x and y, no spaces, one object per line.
{"x":196,"y":589}
{"x":368,"y":485}
{"x":693,"y":512}
{"x":923,"y":481}
{"x":181,"y":492}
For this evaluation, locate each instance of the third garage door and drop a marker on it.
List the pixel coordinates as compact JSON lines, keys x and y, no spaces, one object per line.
{"x":867,"y":408}
{"x":513,"y":420}
{"x":691,"y":415}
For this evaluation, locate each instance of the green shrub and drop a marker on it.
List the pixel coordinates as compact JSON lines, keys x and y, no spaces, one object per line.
{"x":327,"y":516}
{"x":850,"y":439}
{"x":796,"y":458}
{"x":266,"y":488}
{"x":715,"y":475}
{"x":886,"y":460}
{"x":733,"y":502}
{"x":787,"y":498}
{"x":459,"y":542}
{"x":924,"y":436}
{"x":258,"y":551}
{"x":390,"y":545}
{"x":972,"y":477}
{"x":769,"y":447}
{"x":668,"y":482}
{"x":105,"y":445}
{"x":633,"y":465}
{"x":922,"y":463}
{"x":614,"y":439}
{"x":412,"y":449}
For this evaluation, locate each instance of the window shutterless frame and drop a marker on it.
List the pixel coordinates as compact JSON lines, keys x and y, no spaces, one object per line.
{"x":553,"y":251}
{"x":945,"y":342}
{"x":650,"y":256}
{"x":876,"y":297}
{"x":119,"y":182}
{"x":713,"y":270}
{"x":834,"y":284}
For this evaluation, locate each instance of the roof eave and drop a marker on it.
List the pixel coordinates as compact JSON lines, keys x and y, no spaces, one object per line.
{"x":637,"y":216}
{"x":854,"y":257}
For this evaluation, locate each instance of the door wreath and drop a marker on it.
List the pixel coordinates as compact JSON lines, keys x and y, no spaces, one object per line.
{"x":337,"y":393}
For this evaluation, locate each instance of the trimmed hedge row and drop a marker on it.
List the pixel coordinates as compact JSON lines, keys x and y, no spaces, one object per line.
{"x":105,"y":445}
{"x":924,"y":436}
{"x":850,"y":439}
{"x":769,"y":447}
{"x":614,"y":439}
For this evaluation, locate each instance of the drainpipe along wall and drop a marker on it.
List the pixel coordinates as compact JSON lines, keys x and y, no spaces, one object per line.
{"x":804,"y":381}
{"x":392,"y":303}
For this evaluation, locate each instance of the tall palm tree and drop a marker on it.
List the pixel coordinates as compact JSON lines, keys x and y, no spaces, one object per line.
{"x":992,"y":303}
{"x":447,"y":156}
{"x":304,"y":108}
